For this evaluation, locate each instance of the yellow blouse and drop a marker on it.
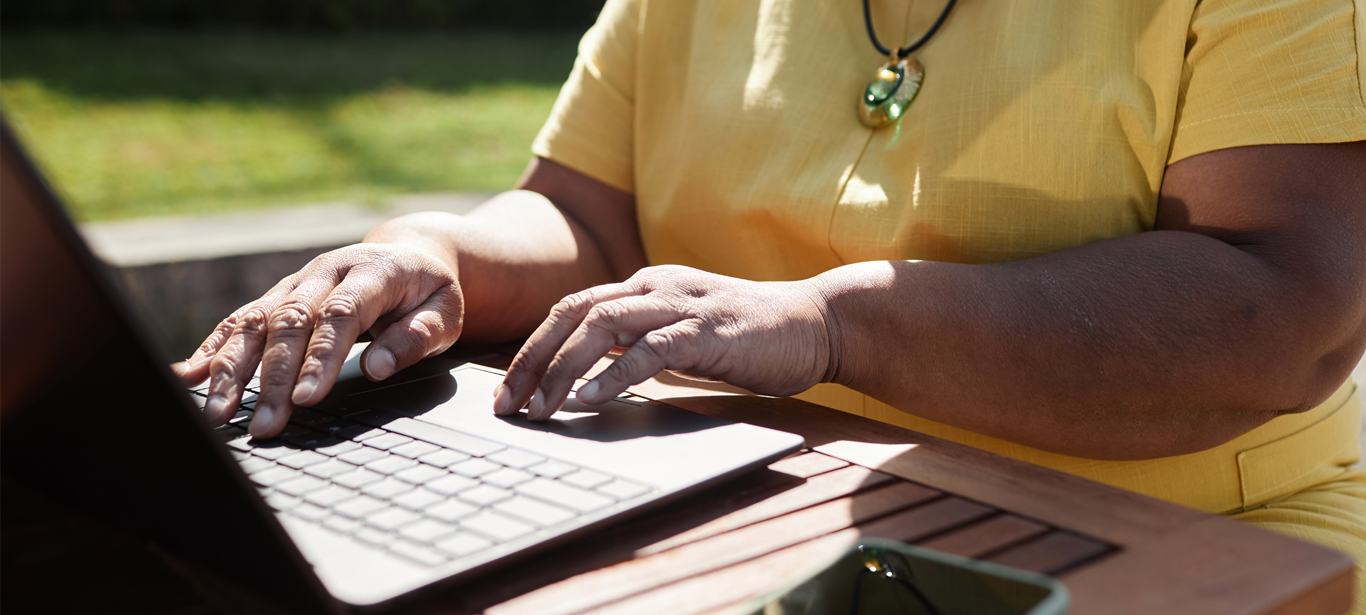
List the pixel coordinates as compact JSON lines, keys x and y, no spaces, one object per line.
{"x":1041,"y":125}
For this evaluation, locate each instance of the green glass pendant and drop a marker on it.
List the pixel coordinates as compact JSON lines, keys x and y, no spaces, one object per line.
{"x":889,"y":94}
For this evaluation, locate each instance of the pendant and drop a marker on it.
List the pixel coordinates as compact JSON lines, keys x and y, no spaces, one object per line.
{"x":890,"y":93}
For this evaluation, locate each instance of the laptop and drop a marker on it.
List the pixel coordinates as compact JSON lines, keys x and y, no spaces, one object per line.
{"x":382,"y":491}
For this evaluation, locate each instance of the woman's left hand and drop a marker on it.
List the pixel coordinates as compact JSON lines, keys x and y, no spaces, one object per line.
{"x":769,"y":337}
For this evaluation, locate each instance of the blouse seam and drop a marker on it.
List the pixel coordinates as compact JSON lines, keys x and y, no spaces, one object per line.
{"x":1264,"y":111}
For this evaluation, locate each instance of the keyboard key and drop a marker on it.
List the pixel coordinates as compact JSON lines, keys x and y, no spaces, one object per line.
{"x":391,"y":518}
{"x":360,"y":506}
{"x":310,"y":440}
{"x":413,"y":450}
{"x":241,"y":444}
{"x":338,"y":447}
{"x":359,"y":433}
{"x":363,"y":455}
{"x":417,"y":499}
{"x":475,"y":467}
{"x":282,"y":502}
{"x":386,"y":488}
{"x":301,"y":459}
{"x":425,"y":530}
{"x":622,"y":489}
{"x":484,"y":495}
{"x":228,"y":433}
{"x":420,"y":474}
{"x":500,"y":527}
{"x":374,"y":536}
{"x":374,"y":418}
{"x":514,"y":458}
{"x":329,"y":468}
{"x":450,"y":510}
{"x":443,"y":458}
{"x":586,"y":479}
{"x":300,"y":485}
{"x":310,"y":512}
{"x":291,"y":430}
{"x":387,"y":441}
{"x":507,"y":477}
{"x":390,"y":464}
{"x":534,"y":511}
{"x":357,"y":479}
{"x":300,"y":416}
{"x":241,"y":419}
{"x":342,"y":524}
{"x":239,"y":455}
{"x":274,"y":450}
{"x":462,"y":544}
{"x":565,"y":495}
{"x":255,"y":464}
{"x":552,"y":468}
{"x":329,"y":495}
{"x":418,"y":553}
{"x":332,"y":425}
{"x":450,"y":484}
{"x":274,"y":476}
{"x":448,"y":438}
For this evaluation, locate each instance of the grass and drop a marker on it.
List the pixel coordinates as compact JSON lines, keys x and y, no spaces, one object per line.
{"x":144,"y":123}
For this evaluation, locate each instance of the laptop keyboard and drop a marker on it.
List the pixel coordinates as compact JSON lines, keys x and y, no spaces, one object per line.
{"x":427,"y":493}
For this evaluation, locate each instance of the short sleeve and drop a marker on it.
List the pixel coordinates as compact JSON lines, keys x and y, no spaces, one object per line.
{"x":591,"y":128}
{"x":1271,"y":71}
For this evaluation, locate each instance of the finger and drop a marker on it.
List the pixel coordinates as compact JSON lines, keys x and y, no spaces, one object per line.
{"x":287,"y":335}
{"x":535,"y":355}
{"x":610,"y":324}
{"x":430,"y":329}
{"x":350,"y":309}
{"x":235,"y":362}
{"x":679,"y":346}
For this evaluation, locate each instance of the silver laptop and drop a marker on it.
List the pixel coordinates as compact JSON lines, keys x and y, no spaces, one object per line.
{"x":378,"y":492}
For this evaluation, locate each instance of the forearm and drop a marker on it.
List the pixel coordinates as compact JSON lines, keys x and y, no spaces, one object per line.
{"x":515,"y":255}
{"x":1156,"y":344}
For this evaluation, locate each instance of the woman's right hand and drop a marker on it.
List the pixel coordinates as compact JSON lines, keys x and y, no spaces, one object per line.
{"x":407,"y":295}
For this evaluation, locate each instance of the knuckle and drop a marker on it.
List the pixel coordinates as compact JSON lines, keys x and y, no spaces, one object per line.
{"x":339,"y":307}
{"x":610,"y":316}
{"x":574,"y":306}
{"x":251,"y":320}
{"x":291,"y":318}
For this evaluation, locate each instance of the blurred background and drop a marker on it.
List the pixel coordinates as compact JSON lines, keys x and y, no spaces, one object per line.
{"x":208,"y":149}
{"x":147,"y":107}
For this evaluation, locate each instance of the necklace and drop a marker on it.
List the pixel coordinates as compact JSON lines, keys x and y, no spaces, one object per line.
{"x":887,"y":97}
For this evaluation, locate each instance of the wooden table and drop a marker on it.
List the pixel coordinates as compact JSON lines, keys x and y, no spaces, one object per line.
{"x":1117,"y":552}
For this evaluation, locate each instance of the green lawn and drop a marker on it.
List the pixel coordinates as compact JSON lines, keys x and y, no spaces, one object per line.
{"x":136,"y":124}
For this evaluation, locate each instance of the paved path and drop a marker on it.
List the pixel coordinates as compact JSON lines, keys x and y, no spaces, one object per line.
{"x":171,"y":239}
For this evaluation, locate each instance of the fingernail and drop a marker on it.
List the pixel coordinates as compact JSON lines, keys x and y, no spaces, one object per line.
{"x":303,"y":391}
{"x":379,"y":364}
{"x":537,"y":406}
{"x":502,"y":401}
{"x":215,"y":408}
{"x":260,"y":421}
{"x":589,"y":390}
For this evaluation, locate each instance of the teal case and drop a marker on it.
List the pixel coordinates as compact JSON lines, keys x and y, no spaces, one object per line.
{"x":893,"y":577}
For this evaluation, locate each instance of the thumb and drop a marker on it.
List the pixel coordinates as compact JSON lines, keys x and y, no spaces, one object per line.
{"x":427,"y":330}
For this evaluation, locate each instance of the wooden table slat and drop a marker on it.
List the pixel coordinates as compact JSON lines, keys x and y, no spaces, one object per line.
{"x":807,"y":465}
{"x":1051,"y":553}
{"x":928,"y":520}
{"x":981,"y":539}
{"x":818,"y":489}
{"x":607,"y":585}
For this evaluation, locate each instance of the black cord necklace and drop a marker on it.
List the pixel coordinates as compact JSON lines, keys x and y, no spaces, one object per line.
{"x":891,"y":92}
